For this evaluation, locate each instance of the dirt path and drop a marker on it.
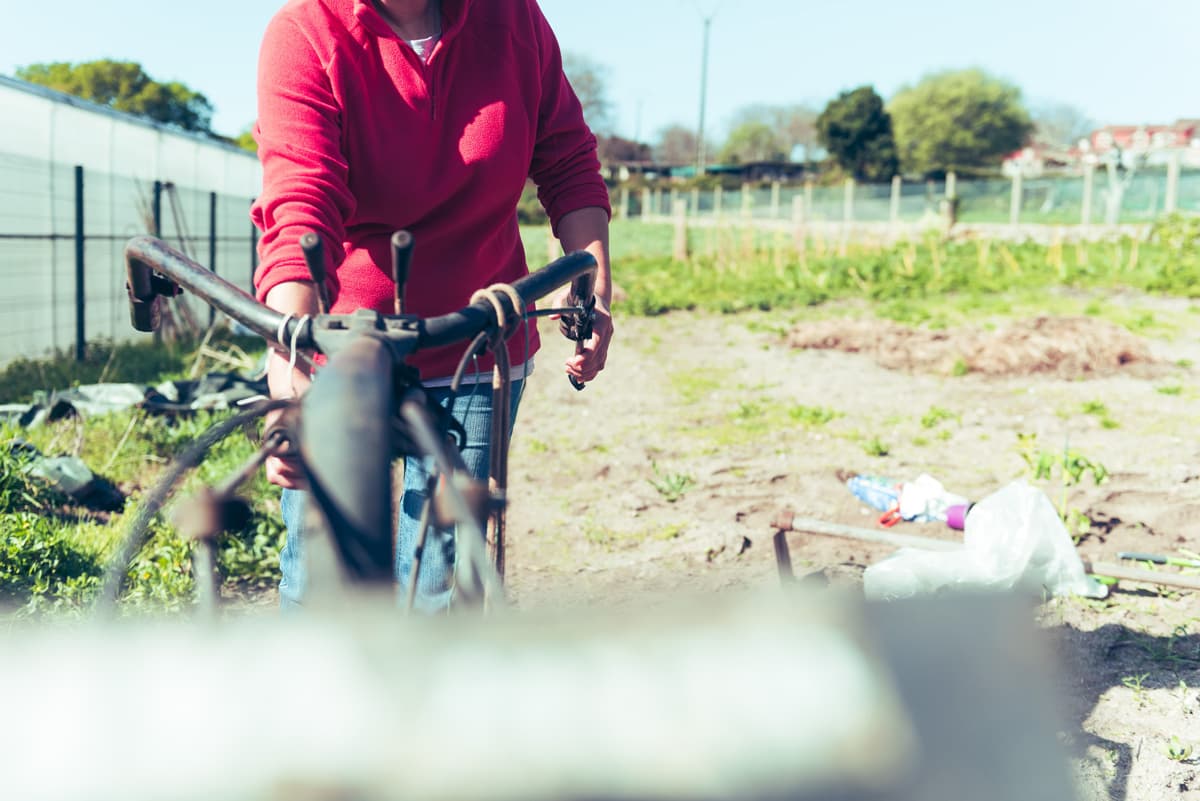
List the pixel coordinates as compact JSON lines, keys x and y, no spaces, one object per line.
{"x":663,"y":477}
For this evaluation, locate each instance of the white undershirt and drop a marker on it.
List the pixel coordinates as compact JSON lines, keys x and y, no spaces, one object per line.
{"x":423,"y":47}
{"x":515,"y":373}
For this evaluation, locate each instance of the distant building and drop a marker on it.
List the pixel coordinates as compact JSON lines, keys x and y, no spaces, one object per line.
{"x":1038,"y":159}
{"x":1147,"y":144}
{"x":1129,"y":145}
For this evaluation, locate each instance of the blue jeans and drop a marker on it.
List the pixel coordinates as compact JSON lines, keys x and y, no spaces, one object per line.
{"x":473,"y":408}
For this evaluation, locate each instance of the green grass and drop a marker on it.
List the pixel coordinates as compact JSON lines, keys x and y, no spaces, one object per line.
{"x":929,"y":282}
{"x":138,"y":362}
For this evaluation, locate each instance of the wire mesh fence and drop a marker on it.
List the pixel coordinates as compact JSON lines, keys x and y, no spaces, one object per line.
{"x":1091,"y":198}
{"x":62,"y":236}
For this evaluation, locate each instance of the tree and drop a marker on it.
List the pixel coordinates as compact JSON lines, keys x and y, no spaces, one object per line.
{"x":124,"y":86}
{"x":676,"y":145}
{"x":1061,"y":124}
{"x":795,"y":126}
{"x":590,"y":82}
{"x":750,"y":142}
{"x":857,"y":132}
{"x":246,"y":141}
{"x":961,"y":120}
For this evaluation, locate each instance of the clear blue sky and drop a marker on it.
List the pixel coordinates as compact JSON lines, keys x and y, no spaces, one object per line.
{"x":1117,"y":60}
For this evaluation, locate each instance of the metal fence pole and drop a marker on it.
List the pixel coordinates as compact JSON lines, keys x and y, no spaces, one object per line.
{"x":894,"y":208}
{"x":80,"y":337}
{"x":156,"y":208}
{"x":679,"y":250}
{"x":1089,"y":182}
{"x":1014,"y":207}
{"x":212,"y":244}
{"x":253,"y":250}
{"x":1172,"y":200}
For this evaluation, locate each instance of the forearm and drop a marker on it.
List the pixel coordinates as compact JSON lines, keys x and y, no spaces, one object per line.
{"x":587,"y":229}
{"x":297,"y":298}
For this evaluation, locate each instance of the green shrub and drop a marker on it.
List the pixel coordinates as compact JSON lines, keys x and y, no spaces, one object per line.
{"x":40,"y":565}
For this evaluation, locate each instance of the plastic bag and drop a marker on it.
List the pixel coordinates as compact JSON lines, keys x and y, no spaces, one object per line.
{"x":1014,"y":540}
{"x":924,"y":499}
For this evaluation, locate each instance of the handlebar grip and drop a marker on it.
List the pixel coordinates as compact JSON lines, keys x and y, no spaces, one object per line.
{"x":314,"y":256}
{"x":402,"y":248}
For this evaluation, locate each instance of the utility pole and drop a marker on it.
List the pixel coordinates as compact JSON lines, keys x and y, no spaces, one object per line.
{"x":703,"y":94}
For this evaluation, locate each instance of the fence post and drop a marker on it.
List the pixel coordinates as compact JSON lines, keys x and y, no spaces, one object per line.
{"x":719,"y":201}
{"x":894,"y":207}
{"x":80,"y":298}
{"x":646,"y":204}
{"x":658,"y":201}
{"x":156,"y":208}
{"x":775,"y":193}
{"x":212,"y":245}
{"x":253,"y":251}
{"x":799,"y":231}
{"x":679,"y":211}
{"x":1014,"y":207}
{"x":747,"y":202}
{"x":1089,"y":182}
{"x":848,"y":204}
{"x":951,"y":199}
{"x":808,"y":198}
{"x":1171,"y":202}
{"x":695,"y":201}
{"x":624,"y":207}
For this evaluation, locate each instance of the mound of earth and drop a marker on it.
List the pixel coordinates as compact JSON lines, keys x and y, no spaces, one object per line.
{"x":1063,"y":347}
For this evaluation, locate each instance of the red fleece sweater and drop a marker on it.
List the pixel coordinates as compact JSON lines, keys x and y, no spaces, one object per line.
{"x":358,"y":137}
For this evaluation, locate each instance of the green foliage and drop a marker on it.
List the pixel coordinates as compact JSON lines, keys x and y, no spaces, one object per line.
{"x":531,"y":212}
{"x":751,"y":142}
{"x":671,"y":486}
{"x":140,"y":362}
{"x":913,"y":282}
{"x":20,"y":492}
{"x":161,"y":574}
{"x":125,"y":86}
{"x":936,"y":415}
{"x":1178,"y":751}
{"x":40,"y":565}
{"x":246,"y":141}
{"x":876,"y":447}
{"x":857,"y":132}
{"x":958,"y":120}
{"x":813,"y":416}
{"x":1068,"y":467}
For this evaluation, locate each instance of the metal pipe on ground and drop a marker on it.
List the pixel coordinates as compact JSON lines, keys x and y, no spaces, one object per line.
{"x":786,"y":520}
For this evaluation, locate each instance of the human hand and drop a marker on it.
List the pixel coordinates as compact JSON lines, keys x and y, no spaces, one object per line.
{"x":590,"y":354}
{"x":284,"y":468}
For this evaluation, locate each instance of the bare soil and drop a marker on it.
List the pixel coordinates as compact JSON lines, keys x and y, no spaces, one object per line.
{"x":666,"y":473}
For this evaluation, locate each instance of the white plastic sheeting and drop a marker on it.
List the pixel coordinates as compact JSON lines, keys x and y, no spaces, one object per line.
{"x":47,"y":134}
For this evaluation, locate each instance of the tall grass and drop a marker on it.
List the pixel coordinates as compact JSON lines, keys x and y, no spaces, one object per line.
{"x":733,"y":269}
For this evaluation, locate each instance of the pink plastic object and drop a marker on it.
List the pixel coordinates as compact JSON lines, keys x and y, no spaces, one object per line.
{"x":956,"y":515}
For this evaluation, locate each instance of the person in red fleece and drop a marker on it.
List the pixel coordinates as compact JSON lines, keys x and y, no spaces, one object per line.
{"x":426,"y":115}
